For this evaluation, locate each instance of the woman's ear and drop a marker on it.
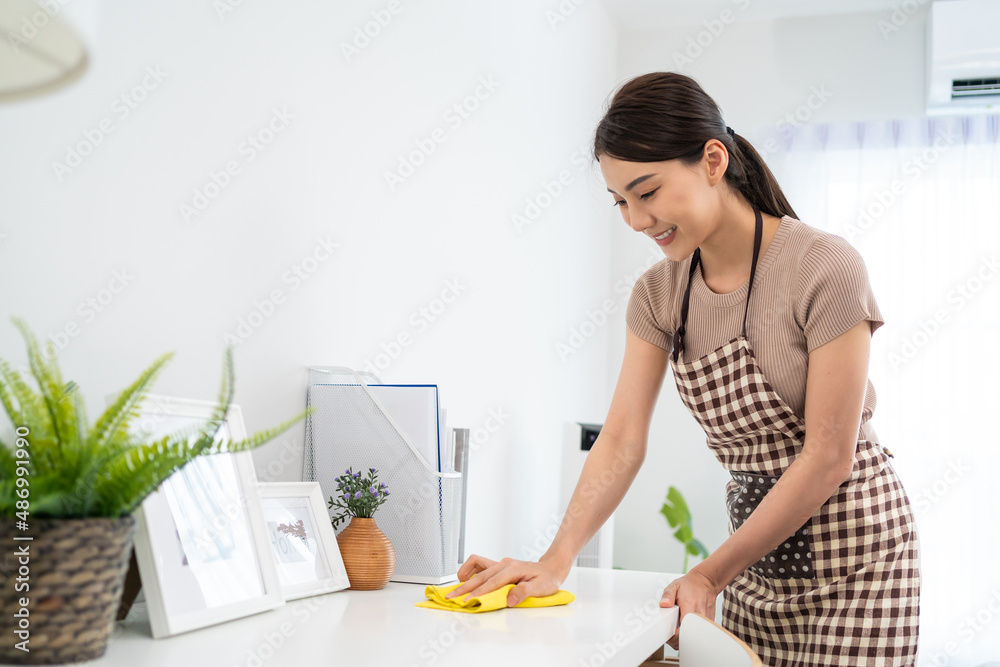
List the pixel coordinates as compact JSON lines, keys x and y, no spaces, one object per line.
{"x":716,"y":161}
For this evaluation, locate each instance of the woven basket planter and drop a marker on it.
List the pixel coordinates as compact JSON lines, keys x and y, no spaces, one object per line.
{"x":75,"y":573}
{"x":369,"y":557}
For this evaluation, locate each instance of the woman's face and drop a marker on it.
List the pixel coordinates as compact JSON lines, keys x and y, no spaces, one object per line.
{"x":655,"y":197}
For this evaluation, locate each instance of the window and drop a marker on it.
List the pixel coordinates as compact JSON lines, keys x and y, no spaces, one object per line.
{"x":920,"y":199}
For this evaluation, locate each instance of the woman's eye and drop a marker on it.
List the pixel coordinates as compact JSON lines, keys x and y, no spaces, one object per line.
{"x":621,"y":202}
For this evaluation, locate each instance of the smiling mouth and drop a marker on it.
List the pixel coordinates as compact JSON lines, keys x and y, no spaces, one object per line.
{"x":666,"y":233}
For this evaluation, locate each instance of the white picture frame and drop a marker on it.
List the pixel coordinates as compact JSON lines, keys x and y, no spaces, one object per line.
{"x":303,"y":542}
{"x":201,"y":543}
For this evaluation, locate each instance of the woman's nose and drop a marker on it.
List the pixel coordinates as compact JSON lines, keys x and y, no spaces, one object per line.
{"x":640,"y":221}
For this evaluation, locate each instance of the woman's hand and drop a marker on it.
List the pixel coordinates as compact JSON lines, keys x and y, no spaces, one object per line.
{"x":693,"y":592}
{"x":532,"y":579}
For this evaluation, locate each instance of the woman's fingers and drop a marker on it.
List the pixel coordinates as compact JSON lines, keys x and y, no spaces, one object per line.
{"x":479,"y":572}
{"x":490,"y":579}
{"x":530,"y":588}
{"x":669,"y":599}
{"x":472,"y":565}
{"x":669,"y":596}
{"x":689,"y":594}
{"x":530,"y":579}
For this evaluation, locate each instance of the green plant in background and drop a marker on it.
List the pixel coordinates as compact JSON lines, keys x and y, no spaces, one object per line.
{"x":678,"y":515}
{"x":72,"y":469}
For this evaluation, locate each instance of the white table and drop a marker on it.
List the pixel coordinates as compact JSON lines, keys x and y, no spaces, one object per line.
{"x":615,"y":620}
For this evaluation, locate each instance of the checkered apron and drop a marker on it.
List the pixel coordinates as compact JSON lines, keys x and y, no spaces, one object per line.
{"x":844,"y":589}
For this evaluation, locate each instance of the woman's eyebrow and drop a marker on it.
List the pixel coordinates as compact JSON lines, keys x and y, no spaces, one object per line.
{"x":634,"y":183}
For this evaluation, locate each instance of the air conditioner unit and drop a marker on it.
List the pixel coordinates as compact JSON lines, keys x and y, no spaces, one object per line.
{"x":963,"y":57}
{"x":578,"y":438}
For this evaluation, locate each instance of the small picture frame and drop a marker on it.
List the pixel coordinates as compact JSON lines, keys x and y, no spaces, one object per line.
{"x":201,"y":544}
{"x":302,"y":539}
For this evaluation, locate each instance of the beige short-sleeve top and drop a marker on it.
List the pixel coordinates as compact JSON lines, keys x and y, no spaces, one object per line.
{"x":810,"y":287}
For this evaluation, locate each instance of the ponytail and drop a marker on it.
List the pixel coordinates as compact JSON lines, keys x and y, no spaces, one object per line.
{"x":663,"y":116}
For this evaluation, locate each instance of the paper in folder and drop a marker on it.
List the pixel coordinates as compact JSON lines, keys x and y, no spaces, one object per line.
{"x":416,"y":411}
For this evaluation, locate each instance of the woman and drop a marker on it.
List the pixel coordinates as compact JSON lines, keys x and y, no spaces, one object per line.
{"x":768,"y":323}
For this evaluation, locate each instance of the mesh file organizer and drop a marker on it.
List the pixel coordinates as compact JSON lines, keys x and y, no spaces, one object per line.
{"x":350,"y":428}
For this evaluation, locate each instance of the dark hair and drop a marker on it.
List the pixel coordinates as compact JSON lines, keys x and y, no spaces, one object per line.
{"x":663,"y":116}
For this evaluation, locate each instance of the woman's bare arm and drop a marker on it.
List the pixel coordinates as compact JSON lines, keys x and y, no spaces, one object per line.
{"x":620,"y":448}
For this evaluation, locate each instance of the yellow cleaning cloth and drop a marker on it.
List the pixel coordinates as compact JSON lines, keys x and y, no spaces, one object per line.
{"x":487,"y":602}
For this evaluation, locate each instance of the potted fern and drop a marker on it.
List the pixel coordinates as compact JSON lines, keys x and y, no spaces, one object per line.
{"x":68,"y":490}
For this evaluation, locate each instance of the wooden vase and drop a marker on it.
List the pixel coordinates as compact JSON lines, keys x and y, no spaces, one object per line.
{"x":368,"y":555}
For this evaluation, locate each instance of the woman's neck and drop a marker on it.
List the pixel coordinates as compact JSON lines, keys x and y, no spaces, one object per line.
{"x":727,"y":252}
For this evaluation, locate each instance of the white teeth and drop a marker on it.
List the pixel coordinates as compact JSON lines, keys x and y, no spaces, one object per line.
{"x":665,"y":234}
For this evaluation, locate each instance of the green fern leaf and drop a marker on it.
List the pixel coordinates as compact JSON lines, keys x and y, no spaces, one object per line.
{"x":50,"y":384}
{"x":120,"y":414}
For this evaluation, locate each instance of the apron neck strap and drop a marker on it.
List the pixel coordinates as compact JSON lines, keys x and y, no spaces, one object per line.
{"x":678,"y":342}
{"x":757,"y":233}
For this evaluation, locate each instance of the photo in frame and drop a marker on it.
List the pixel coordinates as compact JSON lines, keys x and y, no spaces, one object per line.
{"x":302,"y":539}
{"x":201,"y":543}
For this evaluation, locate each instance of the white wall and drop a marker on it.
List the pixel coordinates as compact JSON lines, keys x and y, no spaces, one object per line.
{"x":760,"y":74}
{"x":494,"y":349}
{"x":189,"y":283}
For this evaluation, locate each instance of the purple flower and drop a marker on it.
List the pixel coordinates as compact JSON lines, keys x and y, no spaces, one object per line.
{"x":357,"y":495}
{"x":357,"y":475}
{"x":373,"y":490}
{"x":373,"y":470}
{"x":382,"y":485}
{"x":348,"y":471}
{"x":347,"y":496}
{"x":375,"y":494}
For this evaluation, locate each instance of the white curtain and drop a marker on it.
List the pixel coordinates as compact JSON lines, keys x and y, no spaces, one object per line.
{"x":920,"y":199}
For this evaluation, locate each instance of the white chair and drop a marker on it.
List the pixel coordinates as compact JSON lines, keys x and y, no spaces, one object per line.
{"x":702,"y":643}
